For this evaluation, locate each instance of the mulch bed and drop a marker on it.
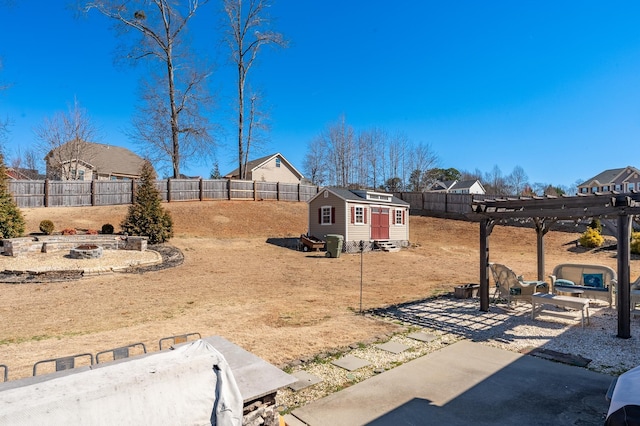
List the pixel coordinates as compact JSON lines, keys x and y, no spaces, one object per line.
{"x":171,"y":257}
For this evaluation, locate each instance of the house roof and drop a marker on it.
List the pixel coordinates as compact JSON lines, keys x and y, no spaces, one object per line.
{"x":107,"y":159}
{"x":606,"y":176}
{"x":465,"y":184}
{"x":259,"y":162}
{"x":349,"y":195}
{"x":451,"y":185}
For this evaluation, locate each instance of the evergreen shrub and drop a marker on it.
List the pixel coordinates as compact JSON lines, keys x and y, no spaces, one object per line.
{"x":47,"y":227}
{"x":146,"y":217}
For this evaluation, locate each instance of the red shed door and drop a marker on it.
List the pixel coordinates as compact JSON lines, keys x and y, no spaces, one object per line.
{"x":379,"y":223}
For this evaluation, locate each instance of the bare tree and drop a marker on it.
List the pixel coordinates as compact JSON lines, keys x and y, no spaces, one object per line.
{"x":175,"y":125}
{"x":517,"y":180}
{"x":496,"y":182}
{"x":248,"y":32}
{"x":315,"y":162}
{"x":63,"y":140}
{"x":339,"y":142}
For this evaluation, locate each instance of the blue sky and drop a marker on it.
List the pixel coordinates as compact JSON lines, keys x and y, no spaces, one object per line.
{"x":552,"y":87}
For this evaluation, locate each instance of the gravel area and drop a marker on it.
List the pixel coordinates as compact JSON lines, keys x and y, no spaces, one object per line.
{"x":507,"y":327}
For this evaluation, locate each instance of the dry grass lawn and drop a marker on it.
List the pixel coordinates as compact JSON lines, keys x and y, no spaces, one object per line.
{"x":278,"y":303}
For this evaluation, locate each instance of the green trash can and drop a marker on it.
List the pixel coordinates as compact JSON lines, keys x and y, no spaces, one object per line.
{"x":334,"y":245}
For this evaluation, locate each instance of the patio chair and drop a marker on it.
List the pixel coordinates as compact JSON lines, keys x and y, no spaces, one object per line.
{"x":121,"y":352}
{"x":63,"y":363}
{"x":180,"y":338}
{"x":512,"y":287}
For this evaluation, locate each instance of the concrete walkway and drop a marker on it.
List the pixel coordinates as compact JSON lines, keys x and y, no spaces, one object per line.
{"x":467,"y":384}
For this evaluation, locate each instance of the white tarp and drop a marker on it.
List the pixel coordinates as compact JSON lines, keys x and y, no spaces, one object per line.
{"x":191,"y":385}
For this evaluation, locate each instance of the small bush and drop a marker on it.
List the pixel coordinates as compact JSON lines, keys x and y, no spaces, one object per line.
{"x":591,"y":238}
{"x":107,"y":228}
{"x":92,"y":232}
{"x":597,"y":225}
{"x":47,"y":227}
{"x":635,"y":243}
{"x":68,"y":231}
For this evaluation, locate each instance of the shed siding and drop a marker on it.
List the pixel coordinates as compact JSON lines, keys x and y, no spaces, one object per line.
{"x":315,"y":228}
{"x":399,"y":232}
{"x":358,"y":232}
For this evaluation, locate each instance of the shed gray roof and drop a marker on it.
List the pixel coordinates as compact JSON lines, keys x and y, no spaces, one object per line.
{"x":349,"y":195}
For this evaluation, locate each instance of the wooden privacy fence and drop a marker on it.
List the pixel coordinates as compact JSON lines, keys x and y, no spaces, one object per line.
{"x":441,"y":202}
{"x":49,"y":193}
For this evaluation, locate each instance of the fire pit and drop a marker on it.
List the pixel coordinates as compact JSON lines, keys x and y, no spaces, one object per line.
{"x":86,"y":251}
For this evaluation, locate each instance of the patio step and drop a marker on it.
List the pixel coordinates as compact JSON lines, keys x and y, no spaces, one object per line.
{"x":387,"y":246}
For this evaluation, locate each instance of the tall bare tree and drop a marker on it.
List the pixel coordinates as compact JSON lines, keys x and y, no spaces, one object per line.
{"x":339,"y":141}
{"x":517,"y":180}
{"x":247,"y":33}
{"x":175,"y":126}
{"x":63,"y":140}
{"x":315,"y":162}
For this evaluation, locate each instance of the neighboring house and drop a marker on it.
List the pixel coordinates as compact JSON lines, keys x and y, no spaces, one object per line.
{"x":359,"y":215}
{"x":20,"y":173}
{"x":458,"y":187}
{"x":79,"y":160}
{"x":272,"y":168}
{"x":626,"y":179}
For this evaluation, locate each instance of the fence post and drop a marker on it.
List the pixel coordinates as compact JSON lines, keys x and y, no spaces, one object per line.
{"x":93,"y":192}
{"x":229,"y":189}
{"x":46,"y":192}
{"x":255,"y":191}
{"x":299,"y":195}
{"x":133,"y":191}
{"x":277,"y":191}
{"x":168,"y":190}
{"x":201,"y":188}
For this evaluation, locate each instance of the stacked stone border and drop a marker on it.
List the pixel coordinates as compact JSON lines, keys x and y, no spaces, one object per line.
{"x":52,"y":243}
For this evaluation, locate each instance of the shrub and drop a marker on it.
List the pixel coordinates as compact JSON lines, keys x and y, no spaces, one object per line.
{"x":635,"y":243}
{"x":11,"y":220}
{"x":68,"y":231}
{"x":591,"y":238}
{"x":47,"y":227}
{"x":146,"y":217}
{"x":92,"y":232}
{"x":107,"y":228}
{"x":597,"y":225}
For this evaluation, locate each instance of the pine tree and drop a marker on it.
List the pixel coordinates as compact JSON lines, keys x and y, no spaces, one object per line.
{"x":11,"y":220}
{"x":146,"y":217}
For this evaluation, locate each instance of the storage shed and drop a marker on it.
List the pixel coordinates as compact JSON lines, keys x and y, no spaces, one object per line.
{"x":377,"y":218}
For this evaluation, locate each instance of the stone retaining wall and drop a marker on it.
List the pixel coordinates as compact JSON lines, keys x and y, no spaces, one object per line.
{"x":51,"y":243}
{"x":261,"y":412}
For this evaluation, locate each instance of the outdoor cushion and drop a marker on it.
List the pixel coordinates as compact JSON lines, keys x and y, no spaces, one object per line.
{"x":562,"y":282}
{"x":593,"y":280}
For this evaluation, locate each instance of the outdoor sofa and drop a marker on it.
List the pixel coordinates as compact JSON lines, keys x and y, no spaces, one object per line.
{"x":596,"y":281}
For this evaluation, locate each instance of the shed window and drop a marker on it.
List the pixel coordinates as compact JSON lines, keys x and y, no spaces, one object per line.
{"x":399,"y":219}
{"x":327,"y":215}
{"x":358,"y":215}
{"x":277,"y":162}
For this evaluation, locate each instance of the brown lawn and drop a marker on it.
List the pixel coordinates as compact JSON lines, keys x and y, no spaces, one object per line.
{"x":278,"y":303}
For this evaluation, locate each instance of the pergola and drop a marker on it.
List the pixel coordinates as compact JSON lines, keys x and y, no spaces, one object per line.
{"x":545,"y":211}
